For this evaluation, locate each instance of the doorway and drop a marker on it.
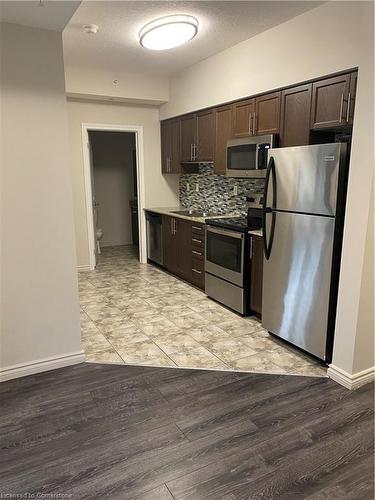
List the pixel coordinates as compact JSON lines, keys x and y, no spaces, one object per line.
{"x":114,"y":185}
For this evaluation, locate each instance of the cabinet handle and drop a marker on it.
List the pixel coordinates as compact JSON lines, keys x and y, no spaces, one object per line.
{"x":251,"y":248}
{"x":195,"y":151}
{"x":197,"y":228}
{"x":196,"y":271}
{"x":250,"y":123}
{"x":341,"y":106}
{"x":171,"y":224}
{"x":191,"y":152}
{"x":197,"y":241}
{"x":254,"y":118}
{"x":348,"y":109}
{"x":169,"y":165}
{"x":196,"y":253}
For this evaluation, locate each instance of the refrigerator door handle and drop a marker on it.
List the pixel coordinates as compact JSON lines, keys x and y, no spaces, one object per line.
{"x":271,"y":170}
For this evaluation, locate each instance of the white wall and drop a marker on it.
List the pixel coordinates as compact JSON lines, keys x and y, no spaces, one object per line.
{"x":92,"y":82}
{"x":330,"y":38}
{"x":39,"y":295}
{"x":159,"y":190}
{"x":112,"y":156}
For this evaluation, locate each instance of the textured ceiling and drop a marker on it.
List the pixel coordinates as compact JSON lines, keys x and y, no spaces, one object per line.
{"x":222,"y":24}
{"x":52,"y":15}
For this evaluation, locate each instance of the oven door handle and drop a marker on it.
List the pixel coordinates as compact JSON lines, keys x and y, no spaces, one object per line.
{"x":225,"y":232}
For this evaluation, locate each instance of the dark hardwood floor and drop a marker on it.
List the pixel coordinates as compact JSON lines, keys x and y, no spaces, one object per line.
{"x":122,"y":432}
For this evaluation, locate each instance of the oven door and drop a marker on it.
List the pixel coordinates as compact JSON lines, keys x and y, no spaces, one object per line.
{"x":225,"y":254}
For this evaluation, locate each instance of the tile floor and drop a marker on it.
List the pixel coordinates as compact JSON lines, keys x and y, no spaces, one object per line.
{"x":134,"y":313}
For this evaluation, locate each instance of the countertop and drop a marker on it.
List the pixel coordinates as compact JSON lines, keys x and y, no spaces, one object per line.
{"x":170,"y":211}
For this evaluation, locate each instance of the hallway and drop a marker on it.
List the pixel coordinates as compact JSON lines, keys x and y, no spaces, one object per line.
{"x":135,"y":313}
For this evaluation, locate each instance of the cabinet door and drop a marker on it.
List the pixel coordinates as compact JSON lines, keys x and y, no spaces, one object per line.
{"x":223,"y":132}
{"x":183,"y":243}
{"x":165,"y":138}
{"x":256,"y":274}
{"x":351,"y":96}
{"x":329,"y":102}
{"x":267,"y":114}
{"x":295,"y":116}
{"x":175,"y":146}
{"x":205,"y":136}
{"x":187,"y":137}
{"x":243,"y":115}
{"x":169,"y":244}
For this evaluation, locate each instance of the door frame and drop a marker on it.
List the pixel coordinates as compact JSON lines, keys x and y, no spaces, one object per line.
{"x":138,"y":130}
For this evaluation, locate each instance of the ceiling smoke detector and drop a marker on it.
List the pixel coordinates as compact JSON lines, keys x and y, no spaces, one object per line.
{"x":168,"y":32}
{"x":90,"y":29}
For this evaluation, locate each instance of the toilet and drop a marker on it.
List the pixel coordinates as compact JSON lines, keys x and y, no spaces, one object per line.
{"x":99,"y":236}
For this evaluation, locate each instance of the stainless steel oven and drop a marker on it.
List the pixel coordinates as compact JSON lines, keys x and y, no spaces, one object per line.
{"x":248,"y":157}
{"x":224,"y":267}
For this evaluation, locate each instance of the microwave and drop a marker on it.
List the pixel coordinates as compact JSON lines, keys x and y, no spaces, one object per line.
{"x":248,"y":157}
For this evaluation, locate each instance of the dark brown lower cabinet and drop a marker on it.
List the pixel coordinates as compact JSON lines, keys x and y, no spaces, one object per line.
{"x":256,"y":274}
{"x":183,"y":249}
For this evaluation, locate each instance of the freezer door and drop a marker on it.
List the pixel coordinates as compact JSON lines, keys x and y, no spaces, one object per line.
{"x":306,"y":178}
{"x":296,"y":280}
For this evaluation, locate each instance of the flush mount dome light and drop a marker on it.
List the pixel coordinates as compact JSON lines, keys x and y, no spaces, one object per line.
{"x":168,"y":32}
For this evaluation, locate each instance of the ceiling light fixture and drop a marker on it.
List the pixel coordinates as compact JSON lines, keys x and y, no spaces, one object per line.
{"x":168,"y":32}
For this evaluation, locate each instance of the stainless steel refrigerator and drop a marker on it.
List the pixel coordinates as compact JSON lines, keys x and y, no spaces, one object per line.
{"x":304,"y":203}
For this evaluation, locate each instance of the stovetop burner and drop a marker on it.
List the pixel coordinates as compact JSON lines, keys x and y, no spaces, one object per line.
{"x":242,"y":224}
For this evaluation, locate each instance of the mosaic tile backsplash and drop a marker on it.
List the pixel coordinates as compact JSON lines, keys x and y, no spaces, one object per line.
{"x":216,"y":192}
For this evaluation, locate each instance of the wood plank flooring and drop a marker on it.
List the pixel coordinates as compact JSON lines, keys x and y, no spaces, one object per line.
{"x":142,"y":433}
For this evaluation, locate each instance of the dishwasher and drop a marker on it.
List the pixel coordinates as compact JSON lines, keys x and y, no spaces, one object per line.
{"x":154,"y":238}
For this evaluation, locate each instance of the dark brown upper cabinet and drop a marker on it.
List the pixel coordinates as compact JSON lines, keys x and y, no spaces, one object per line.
{"x":170,"y":146}
{"x":257,"y":116}
{"x":267,"y":114}
{"x":330,"y":102}
{"x":205,"y":136}
{"x":351,"y":96}
{"x":188,"y":138}
{"x":197,"y":137}
{"x":223,"y":132}
{"x":295,"y":116}
{"x":243,"y":116}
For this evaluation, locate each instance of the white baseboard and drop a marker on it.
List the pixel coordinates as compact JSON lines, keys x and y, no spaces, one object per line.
{"x":85,"y":267}
{"x":351,"y":381}
{"x":104,"y":244}
{"x":42,"y":365}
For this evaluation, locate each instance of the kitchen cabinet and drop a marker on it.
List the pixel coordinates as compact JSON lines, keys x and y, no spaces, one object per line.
{"x":267,"y":114}
{"x":176,"y":246}
{"x":330,"y":102}
{"x":256,"y":273}
{"x":205,"y":136}
{"x":170,"y":146}
{"x":258,"y":116}
{"x":134,"y":221}
{"x":295,"y":116}
{"x":197,"y":137}
{"x":183,"y":249}
{"x":352,"y":96}
{"x":223,"y":132}
{"x":243,"y":116}
{"x":187,"y":138}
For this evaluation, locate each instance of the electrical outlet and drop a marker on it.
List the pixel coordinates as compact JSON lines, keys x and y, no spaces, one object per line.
{"x":197,"y":187}
{"x":187,"y":186}
{"x":235,"y":190}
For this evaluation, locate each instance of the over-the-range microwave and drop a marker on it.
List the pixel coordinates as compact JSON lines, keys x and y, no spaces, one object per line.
{"x":248,"y":157}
